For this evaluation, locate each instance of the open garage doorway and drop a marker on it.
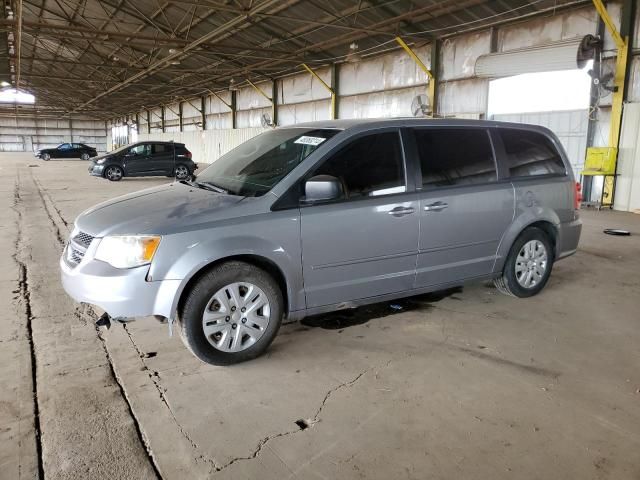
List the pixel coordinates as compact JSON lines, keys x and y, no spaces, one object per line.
{"x":557,"y":100}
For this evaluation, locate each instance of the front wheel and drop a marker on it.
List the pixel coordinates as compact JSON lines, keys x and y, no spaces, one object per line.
{"x":528,"y":265}
{"x":232,"y":314}
{"x":113,"y":173}
{"x":84,"y":156}
{"x":46,"y":157}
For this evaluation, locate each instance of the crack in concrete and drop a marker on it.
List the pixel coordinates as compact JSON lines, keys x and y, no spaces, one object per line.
{"x":312,"y":422}
{"x":24,"y":297}
{"x":56,"y":230}
{"x":92,"y":315}
{"x":138,"y":426}
{"x":155,"y":379}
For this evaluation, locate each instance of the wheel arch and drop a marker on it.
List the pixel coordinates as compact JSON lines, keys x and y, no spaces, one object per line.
{"x":546,"y":224}
{"x":259,"y":261}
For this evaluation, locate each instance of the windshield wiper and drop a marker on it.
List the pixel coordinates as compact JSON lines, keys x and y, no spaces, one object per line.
{"x":205,"y":186}
{"x":213,"y":187}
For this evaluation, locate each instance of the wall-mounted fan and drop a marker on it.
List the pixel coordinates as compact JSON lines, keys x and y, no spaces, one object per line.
{"x":265,"y":120}
{"x":420,"y":105}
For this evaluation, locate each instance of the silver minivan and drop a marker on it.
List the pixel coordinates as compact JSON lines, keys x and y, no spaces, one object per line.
{"x":326,"y":216}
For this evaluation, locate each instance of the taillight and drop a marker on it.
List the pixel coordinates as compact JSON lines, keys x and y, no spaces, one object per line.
{"x":188,"y":154}
{"x":577,"y":196}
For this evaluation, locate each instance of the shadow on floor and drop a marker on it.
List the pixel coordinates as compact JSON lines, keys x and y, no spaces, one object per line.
{"x":358,"y":316}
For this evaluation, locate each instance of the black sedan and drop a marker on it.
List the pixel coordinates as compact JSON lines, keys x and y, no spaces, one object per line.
{"x":68,"y":150}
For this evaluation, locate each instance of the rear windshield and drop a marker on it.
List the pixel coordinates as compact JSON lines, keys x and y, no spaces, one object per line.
{"x":256,"y":166}
{"x":531,"y":153}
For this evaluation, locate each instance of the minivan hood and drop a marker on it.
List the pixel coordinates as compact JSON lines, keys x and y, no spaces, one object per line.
{"x":154,"y":210}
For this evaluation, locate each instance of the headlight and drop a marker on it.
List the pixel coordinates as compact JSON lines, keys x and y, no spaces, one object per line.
{"x":101,"y":161}
{"x":127,"y":251}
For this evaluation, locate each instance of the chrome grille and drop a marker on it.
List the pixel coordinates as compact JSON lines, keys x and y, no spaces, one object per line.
{"x":83,"y":239}
{"x":76,"y":248}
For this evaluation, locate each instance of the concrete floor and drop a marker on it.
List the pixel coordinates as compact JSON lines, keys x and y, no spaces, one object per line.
{"x":468,"y":384}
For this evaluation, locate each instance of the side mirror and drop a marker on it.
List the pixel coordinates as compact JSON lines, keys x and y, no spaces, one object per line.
{"x":322,"y":188}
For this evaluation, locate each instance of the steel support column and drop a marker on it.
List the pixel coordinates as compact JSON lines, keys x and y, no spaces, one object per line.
{"x":203,"y":113}
{"x":621,"y":40}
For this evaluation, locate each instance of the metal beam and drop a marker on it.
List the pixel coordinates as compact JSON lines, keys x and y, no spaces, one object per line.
{"x":327,"y":87}
{"x":431,"y":87}
{"x":18,"y":40}
{"x":196,"y":43}
{"x":272,"y":99}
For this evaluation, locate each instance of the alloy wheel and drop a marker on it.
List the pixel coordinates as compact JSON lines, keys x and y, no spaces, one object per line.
{"x":114,"y":173}
{"x":182,"y":172}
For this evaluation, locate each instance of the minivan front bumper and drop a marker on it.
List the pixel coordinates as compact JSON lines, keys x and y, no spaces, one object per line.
{"x":122,"y":293}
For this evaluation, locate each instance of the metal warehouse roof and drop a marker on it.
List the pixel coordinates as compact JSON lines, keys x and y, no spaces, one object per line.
{"x":110,"y":57}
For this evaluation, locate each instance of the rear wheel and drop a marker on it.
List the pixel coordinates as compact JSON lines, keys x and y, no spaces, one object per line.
{"x":181,"y":172}
{"x":231,"y":314}
{"x":46,"y":157}
{"x":113,"y":173}
{"x":84,"y":156}
{"x":528,"y":265}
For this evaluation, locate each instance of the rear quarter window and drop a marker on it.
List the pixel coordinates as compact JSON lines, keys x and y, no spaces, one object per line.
{"x":530,"y":153}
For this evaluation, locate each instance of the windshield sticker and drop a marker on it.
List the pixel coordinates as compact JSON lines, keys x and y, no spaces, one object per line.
{"x":315,"y":141}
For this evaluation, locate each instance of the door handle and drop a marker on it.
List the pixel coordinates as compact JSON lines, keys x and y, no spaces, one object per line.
{"x":435,"y":207}
{"x":401,"y":211}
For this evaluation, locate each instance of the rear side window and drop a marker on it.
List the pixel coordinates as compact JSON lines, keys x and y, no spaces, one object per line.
{"x":162,"y":148}
{"x":530,"y":153}
{"x":370,"y":166}
{"x":455,"y":156}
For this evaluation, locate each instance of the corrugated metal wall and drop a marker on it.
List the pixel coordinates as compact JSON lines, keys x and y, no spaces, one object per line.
{"x":209,"y":145}
{"x":570,"y":126}
{"x":26,"y":134}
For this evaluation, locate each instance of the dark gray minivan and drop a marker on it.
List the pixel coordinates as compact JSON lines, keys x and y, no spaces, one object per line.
{"x":325,"y":216}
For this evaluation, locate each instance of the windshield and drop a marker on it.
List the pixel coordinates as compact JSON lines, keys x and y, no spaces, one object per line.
{"x":256,"y":166}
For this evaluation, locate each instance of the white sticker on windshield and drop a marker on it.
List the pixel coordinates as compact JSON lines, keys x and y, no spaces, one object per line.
{"x":315,"y":141}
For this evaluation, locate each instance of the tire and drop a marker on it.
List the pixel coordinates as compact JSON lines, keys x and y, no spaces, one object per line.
{"x":84,"y":156}
{"x":46,"y":157}
{"x":181,"y":172}
{"x":231,"y":338}
{"x":528,"y":265}
{"x":113,"y":173}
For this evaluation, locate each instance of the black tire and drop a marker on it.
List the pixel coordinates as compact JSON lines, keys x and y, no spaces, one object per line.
{"x":190,"y":318}
{"x":46,"y":157}
{"x":117,"y":174}
{"x":85,"y":156}
{"x":508,"y":282}
{"x":181,"y":172}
